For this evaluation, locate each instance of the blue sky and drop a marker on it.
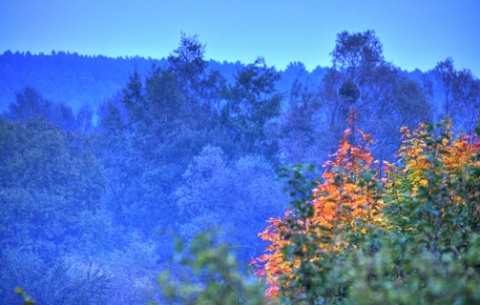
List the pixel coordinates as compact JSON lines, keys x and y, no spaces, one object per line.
{"x":414,"y":33}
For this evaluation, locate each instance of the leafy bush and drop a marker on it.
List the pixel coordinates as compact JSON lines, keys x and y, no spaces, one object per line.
{"x":207,"y":273}
{"x":370,"y":233}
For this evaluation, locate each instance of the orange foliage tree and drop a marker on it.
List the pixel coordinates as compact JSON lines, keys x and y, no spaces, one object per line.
{"x":428,"y":203}
{"x":345,"y":202}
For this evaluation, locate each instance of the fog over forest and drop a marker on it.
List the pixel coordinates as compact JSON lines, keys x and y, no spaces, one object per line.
{"x":106,"y":161}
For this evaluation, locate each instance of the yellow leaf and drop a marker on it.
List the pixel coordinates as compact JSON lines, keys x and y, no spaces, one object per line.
{"x":423,"y":182}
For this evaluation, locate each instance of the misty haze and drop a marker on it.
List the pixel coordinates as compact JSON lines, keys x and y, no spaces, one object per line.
{"x":189,"y":180}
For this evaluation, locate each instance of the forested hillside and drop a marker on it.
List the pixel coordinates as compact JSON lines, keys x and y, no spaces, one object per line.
{"x":103,"y":161}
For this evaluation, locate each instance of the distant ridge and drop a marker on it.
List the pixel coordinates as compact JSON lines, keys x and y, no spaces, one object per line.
{"x":68,"y":77}
{"x":73,"y":79}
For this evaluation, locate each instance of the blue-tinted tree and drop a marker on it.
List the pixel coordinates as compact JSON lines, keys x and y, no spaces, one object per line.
{"x":250,"y":103}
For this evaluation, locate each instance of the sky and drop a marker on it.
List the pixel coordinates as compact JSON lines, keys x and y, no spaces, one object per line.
{"x":414,"y":33}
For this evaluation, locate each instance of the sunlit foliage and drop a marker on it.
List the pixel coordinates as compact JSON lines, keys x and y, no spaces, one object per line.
{"x":368,"y":229}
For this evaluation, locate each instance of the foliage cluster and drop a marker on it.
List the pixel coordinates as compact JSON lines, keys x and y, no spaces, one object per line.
{"x":372,"y":233}
{"x":210,"y":275}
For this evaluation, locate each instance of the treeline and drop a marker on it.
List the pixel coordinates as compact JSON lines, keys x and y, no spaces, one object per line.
{"x":76,"y":79}
{"x":89,"y":209}
{"x":65,"y":77}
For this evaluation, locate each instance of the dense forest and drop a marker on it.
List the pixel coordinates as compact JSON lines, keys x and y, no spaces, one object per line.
{"x":105,"y":162}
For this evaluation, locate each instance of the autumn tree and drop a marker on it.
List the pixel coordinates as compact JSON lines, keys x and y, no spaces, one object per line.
{"x":344,"y":206}
{"x":394,"y":239}
{"x":429,"y":252}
